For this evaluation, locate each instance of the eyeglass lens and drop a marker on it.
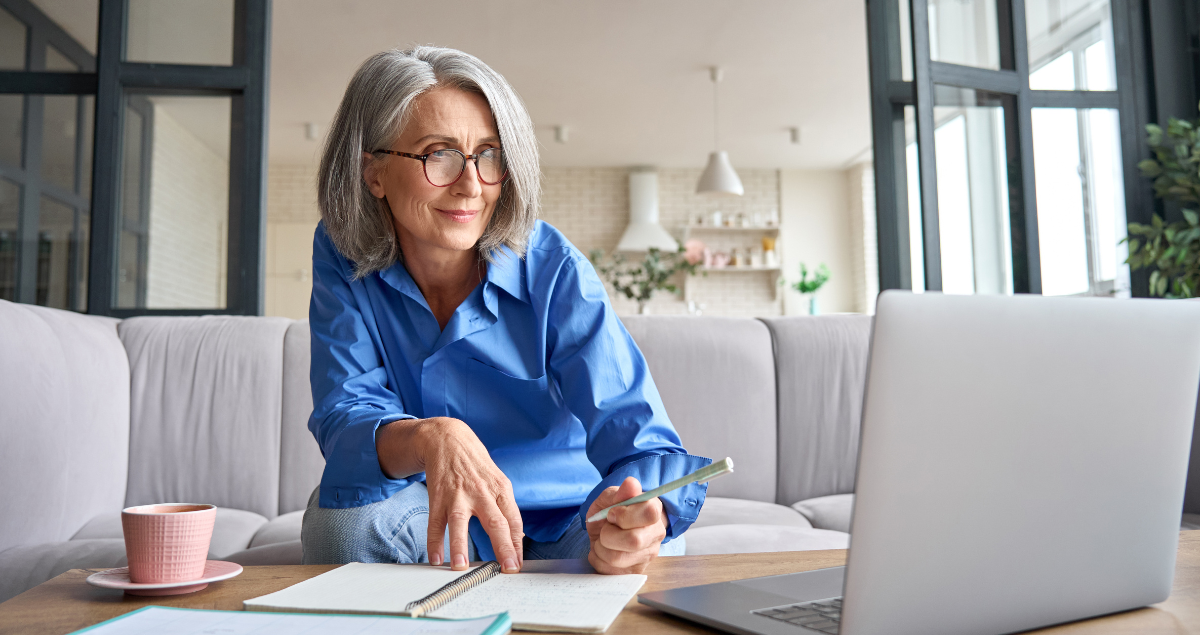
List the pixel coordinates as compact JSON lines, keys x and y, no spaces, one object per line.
{"x":443,"y":167}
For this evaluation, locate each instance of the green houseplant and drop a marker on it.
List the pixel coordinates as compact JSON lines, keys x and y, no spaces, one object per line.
{"x":808,"y":287}
{"x":1172,"y":249}
{"x":639,"y":280}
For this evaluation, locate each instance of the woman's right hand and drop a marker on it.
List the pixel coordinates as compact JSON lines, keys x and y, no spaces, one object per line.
{"x":462,"y":480}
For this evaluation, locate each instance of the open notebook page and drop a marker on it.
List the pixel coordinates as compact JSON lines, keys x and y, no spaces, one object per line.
{"x":535,"y":601}
{"x":358,"y":588}
{"x":586,"y":603}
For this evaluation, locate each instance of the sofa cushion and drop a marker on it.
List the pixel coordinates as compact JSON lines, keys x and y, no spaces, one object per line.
{"x":27,"y":566}
{"x":289,"y":552}
{"x":717,"y":381}
{"x":205,"y":400}
{"x":821,"y":365}
{"x":734,"y":511}
{"x":828,"y":512}
{"x":283,"y":528}
{"x":300,"y":461}
{"x":232,"y":531}
{"x":64,"y":422}
{"x":1189,"y":522}
{"x":761,"y":538}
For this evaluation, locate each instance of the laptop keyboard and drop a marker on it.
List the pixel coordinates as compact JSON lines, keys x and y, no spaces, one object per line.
{"x":822,"y":615}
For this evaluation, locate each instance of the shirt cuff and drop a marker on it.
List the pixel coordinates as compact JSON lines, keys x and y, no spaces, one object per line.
{"x":352,"y":476}
{"x":682,"y":506}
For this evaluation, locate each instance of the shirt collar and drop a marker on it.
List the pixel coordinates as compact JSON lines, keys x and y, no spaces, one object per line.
{"x":506,"y":272}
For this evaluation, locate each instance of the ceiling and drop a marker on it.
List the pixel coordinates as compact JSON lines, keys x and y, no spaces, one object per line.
{"x":628,"y":78}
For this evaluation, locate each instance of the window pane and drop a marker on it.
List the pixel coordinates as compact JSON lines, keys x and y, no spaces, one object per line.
{"x":175,"y":204}
{"x":79,"y":18}
{"x":1080,"y":201}
{"x":56,"y":61}
{"x":10,"y":201}
{"x":59,"y":140}
{"x":964,"y":32}
{"x":916,"y":238}
{"x":12,"y":42}
{"x":87,"y":103}
{"x":1080,"y":30}
{"x":1058,"y":74}
{"x":181,"y":31}
{"x":12,"y":115}
{"x":58,"y":254}
{"x":973,"y":209}
{"x":906,"y":70}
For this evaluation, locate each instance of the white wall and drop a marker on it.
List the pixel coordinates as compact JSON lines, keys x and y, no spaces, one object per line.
{"x":816,"y":228}
{"x":189,"y":210}
{"x":292,"y":217}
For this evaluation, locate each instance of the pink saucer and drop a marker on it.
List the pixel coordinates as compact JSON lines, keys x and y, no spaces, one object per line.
{"x":214,"y":570}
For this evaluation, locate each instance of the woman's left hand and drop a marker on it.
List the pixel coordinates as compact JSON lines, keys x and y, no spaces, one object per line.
{"x":629,"y":538}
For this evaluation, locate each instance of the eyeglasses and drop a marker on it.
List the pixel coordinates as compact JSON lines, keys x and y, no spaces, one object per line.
{"x":443,"y":168}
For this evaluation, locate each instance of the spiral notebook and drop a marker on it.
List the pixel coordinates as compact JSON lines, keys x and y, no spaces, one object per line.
{"x":574,"y":602}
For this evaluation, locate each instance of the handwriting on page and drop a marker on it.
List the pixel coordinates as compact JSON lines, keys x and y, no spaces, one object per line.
{"x":575,"y":601}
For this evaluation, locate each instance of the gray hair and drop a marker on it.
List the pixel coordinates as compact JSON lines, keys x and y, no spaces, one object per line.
{"x":377,"y":105}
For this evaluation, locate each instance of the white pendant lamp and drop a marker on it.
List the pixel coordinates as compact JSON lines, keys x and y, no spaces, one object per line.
{"x":644,"y":231}
{"x":719,"y":178}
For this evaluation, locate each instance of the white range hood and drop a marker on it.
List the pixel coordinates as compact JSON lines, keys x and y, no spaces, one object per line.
{"x":644,"y":231}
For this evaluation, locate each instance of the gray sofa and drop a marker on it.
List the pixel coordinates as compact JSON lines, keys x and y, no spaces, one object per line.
{"x":97,"y":414}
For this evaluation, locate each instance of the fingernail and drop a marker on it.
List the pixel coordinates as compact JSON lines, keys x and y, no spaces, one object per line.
{"x":460,"y":560}
{"x":436,"y":559}
{"x":511,"y":565}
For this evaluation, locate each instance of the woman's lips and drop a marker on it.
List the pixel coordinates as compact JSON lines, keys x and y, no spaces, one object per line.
{"x":460,"y":215}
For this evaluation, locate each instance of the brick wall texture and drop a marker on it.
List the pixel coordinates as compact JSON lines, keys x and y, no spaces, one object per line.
{"x":589,"y":205}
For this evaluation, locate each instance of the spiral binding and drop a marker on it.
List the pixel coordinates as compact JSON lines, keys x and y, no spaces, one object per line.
{"x":437,"y":599}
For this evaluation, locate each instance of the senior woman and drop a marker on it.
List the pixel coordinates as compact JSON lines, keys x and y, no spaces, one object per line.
{"x":475,"y":395}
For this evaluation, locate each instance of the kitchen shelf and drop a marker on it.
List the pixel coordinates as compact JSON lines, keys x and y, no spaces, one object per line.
{"x":733,"y":268}
{"x":688,"y":229}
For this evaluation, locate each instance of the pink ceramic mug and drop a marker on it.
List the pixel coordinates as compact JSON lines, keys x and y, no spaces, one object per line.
{"x":168,"y":542}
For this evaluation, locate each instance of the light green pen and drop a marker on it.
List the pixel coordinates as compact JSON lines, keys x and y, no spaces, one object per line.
{"x":702,"y":475}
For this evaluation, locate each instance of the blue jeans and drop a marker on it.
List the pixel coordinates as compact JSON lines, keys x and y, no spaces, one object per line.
{"x":394,"y":530}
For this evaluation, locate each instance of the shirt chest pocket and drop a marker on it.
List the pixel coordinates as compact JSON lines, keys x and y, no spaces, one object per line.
{"x":503,"y":409}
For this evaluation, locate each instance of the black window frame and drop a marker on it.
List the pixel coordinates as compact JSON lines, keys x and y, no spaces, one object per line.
{"x":1155,"y":54}
{"x":112,"y":80}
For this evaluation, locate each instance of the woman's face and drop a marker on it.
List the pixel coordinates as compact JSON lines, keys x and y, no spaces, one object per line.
{"x":427,"y":216}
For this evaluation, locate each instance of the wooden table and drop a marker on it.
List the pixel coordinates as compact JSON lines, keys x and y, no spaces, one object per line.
{"x":67,"y":603}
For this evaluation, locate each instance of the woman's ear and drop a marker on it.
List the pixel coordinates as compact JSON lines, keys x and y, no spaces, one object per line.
{"x":372,"y":171}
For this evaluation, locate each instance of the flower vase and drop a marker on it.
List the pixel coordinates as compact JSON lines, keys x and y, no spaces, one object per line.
{"x":643,"y":308}
{"x":812,"y":305}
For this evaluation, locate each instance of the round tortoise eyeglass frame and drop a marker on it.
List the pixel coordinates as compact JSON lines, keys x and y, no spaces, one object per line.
{"x":423,"y":158}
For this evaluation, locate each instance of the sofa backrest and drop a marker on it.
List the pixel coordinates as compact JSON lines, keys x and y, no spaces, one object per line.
{"x":300,"y":459}
{"x":717,"y":379}
{"x":821,"y":370}
{"x":205,"y":401}
{"x":64,"y":422}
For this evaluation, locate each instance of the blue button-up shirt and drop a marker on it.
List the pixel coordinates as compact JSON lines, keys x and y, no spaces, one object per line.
{"x":535,"y":361}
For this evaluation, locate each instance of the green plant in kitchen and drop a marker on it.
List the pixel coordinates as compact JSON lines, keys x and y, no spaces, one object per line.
{"x":1172,"y":249}
{"x":809,"y":287}
{"x":639,"y":280}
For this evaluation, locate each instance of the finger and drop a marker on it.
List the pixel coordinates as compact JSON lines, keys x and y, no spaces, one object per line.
{"x":630,"y":487}
{"x":459,"y":518}
{"x":637,"y":515}
{"x":614,"y":538}
{"x":621,"y":559}
{"x":435,"y":536}
{"x":496,"y":526}
{"x":516,"y":526}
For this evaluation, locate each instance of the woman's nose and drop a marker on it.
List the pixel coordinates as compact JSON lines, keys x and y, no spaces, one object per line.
{"x":469,"y":184}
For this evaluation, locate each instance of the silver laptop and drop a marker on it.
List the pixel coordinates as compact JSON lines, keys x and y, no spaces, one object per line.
{"x":1022,"y":464}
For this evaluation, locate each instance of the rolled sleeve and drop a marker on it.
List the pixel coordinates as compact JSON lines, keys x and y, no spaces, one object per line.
{"x":682,"y":506}
{"x":351,"y":398}
{"x":607,"y":385}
